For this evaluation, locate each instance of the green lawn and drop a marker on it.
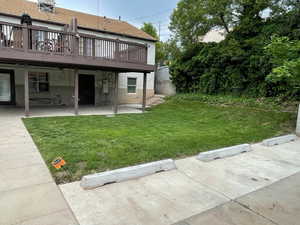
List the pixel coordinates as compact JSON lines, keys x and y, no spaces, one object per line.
{"x":175,"y":129}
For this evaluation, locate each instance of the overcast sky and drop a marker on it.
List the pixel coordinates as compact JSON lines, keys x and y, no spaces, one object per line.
{"x":133,"y":11}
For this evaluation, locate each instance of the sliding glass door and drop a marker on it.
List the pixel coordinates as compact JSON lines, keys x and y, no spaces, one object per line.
{"x":6,"y":87}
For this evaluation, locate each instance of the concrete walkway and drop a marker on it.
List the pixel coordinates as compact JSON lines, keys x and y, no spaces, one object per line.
{"x":28,"y":194}
{"x":276,"y":204}
{"x":219,"y":188}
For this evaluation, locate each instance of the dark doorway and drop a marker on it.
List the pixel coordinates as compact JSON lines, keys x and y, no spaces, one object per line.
{"x":86,"y":89}
{"x":7,"y":87}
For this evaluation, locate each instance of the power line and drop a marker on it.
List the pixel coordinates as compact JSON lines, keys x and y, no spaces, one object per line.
{"x":152,"y":15}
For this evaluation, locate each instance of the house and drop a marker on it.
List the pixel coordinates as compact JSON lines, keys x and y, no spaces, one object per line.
{"x":214,"y":35}
{"x":59,"y":57}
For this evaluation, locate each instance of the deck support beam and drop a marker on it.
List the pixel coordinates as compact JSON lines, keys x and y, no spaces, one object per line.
{"x":144,"y":92}
{"x":76,"y":91}
{"x":116,"y":93}
{"x":26,"y":91}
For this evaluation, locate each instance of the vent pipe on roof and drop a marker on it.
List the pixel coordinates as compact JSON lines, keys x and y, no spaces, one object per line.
{"x":46,"y":5}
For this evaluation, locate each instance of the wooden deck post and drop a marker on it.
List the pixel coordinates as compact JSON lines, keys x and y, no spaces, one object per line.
{"x":116,"y":93}
{"x":76,"y":91}
{"x":25,"y":38}
{"x":26,"y":91}
{"x":144,"y":92}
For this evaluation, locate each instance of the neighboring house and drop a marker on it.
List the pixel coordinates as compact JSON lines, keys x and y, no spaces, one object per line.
{"x":214,"y":35}
{"x":68,"y":58}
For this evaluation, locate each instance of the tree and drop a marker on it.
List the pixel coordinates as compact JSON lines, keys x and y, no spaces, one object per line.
{"x":194,"y":18}
{"x":285,"y":57}
{"x":150,"y":29}
{"x":241,"y":63}
{"x":160,"y":56}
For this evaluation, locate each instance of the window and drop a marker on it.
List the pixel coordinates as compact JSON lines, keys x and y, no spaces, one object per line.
{"x":85,"y":46}
{"x":38,"y":82}
{"x":131,"y":85}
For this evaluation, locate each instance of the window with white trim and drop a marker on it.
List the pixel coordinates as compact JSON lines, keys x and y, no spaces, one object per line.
{"x":131,"y":85}
{"x":38,"y":82}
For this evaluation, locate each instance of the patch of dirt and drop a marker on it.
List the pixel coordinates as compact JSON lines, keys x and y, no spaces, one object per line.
{"x":62,"y":177}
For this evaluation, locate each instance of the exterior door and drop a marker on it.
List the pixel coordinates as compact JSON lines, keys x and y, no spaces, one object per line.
{"x":7,"y":87}
{"x":86,"y":89}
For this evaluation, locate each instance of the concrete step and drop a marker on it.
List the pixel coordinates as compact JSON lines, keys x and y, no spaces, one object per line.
{"x":155,"y":100}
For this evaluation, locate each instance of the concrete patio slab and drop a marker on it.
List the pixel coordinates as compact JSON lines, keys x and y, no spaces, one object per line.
{"x":54,"y":111}
{"x":240,"y":174}
{"x":11,"y":139}
{"x":14,"y":178}
{"x":288,"y":153}
{"x":64,"y":217}
{"x":162,"y":198}
{"x":30,"y":202}
{"x":28,"y":194}
{"x":279,"y":202}
{"x":276,"y":204}
{"x":228,"y":214}
{"x":21,"y":160}
{"x":12,"y":150}
{"x":193,"y":189}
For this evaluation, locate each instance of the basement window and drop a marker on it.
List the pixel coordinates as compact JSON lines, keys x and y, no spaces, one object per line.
{"x":131,"y":85}
{"x":38,"y":82}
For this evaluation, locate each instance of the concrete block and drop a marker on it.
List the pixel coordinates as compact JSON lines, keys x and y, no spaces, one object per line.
{"x":114,"y":176}
{"x":279,"y":140}
{"x":223,"y":152}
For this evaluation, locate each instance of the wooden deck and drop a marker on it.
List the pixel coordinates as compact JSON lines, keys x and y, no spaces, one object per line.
{"x":41,"y":46}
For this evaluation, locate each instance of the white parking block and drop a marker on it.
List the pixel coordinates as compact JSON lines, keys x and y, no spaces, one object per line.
{"x":223,"y":152}
{"x":279,"y":140}
{"x":114,"y":176}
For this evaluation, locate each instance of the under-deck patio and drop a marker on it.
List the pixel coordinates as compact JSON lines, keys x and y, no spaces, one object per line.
{"x":54,"y":111}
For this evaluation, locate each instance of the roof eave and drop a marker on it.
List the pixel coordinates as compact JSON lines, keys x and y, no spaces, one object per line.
{"x":81,"y":27}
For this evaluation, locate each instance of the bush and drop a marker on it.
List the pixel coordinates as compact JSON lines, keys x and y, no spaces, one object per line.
{"x":285,"y":56}
{"x":240,"y":65}
{"x":271,"y":103}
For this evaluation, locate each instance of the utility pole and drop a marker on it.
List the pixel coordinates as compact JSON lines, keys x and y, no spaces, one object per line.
{"x":98,"y":14}
{"x":159,"y":30}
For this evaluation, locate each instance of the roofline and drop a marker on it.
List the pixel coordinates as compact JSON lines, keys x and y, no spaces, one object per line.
{"x":84,"y":28}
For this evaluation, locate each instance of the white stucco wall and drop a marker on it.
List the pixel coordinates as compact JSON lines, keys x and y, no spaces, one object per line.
{"x":163,"y":83}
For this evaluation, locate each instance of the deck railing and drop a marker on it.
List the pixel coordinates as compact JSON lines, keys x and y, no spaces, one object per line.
{"x":11,"y":36}
{"x":42,"y":40}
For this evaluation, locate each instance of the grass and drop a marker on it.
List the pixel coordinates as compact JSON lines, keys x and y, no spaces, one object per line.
{"x":183,"y":126}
